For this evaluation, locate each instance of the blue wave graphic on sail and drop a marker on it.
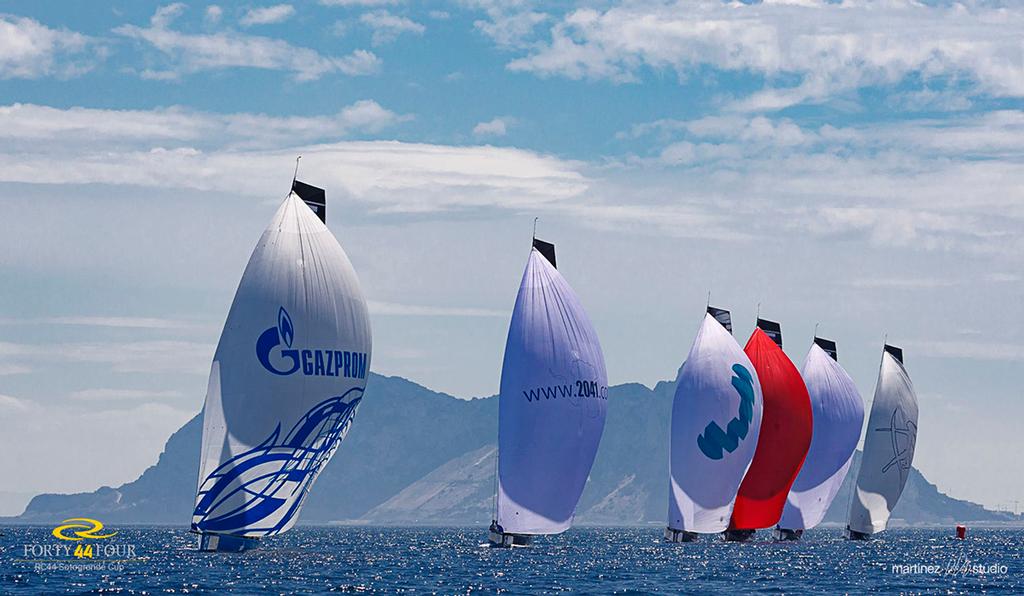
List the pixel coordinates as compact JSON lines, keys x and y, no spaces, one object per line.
{"x":254,"y":486}
{"x":714,"y":440}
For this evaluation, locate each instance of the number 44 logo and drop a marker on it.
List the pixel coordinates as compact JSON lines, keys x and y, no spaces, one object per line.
{"x":83,"y":551}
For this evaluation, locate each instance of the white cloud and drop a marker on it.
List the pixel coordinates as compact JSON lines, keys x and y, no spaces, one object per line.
{"x":378,"y":308}
{"x":31,"y":50}
{"x":9,"y":402}
{"x":7,"y":368}
{"x":144,"y":395}
{"x":267,"y":15}
{"x":827,"y":46}
{"x":110,"y":322}
{"x":213,"y":14}
{"x":510,"y":23}
{"x":157,"y":356}
{"x":189,"y":53}
{"x":363,"y":3}
{"x":497,"y":127}
{"x":159,"y":148}
{"x":32,"y":124}
{"x":387,"y":27}
{"x":970,"y":350}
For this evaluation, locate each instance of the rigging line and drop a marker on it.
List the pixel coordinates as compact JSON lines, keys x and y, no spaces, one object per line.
{"x":295,"y":176}
{"x":535,"y":227}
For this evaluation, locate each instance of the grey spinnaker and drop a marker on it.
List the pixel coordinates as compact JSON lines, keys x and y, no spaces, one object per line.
{"x":287,"y":378}
{"x":889,"y":444}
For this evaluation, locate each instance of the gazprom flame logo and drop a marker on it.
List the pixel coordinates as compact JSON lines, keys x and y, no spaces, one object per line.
{"x":310,"y":362}
{"x":80,"y":528}
{"x":714,"y":440}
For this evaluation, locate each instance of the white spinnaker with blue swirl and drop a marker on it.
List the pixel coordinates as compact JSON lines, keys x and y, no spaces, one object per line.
{"x":551,"y":410}
{"x":287,"y":377}
{"x":838,"y":412}
{"x":889,"y":444}
{"x":716,"y":420}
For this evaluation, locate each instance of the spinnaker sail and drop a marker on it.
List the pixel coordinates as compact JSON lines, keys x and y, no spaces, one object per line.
{"x":888,"y":448}
{"x":838,"y":414}
{"x":716,"y":421}
{"x":286,"y":380}
{"x":552,"y":405}
{"x":785,"y":435}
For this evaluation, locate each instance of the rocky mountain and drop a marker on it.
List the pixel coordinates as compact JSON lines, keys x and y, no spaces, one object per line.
{"x":415,"y":456}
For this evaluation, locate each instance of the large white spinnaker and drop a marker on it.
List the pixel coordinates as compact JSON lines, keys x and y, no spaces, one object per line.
{"x":716,"y":419}
{"x":888,"y":448}
{"x":287,"y":377}
{"x":838,"y":412}
{"x":551,"y":409}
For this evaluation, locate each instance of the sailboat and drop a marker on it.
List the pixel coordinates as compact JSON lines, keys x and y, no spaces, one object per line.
{"x":287,"y":377}
{"x":551,"y":409}
{"x":838,"y":413}
{"x":888,"y":448}
{"x":785,"y":435}
{"x":716,"y":420}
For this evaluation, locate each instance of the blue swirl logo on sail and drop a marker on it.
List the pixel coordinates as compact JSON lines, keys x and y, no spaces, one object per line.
{"x":310,"y":362}
{"x":261,"y":490}
{"x":714,"y":440}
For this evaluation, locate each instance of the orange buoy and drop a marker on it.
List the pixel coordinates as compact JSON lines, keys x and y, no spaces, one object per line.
{"x":961,"y":532}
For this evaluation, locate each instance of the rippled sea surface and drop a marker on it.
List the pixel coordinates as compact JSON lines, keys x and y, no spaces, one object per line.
{"x":588,"y":560}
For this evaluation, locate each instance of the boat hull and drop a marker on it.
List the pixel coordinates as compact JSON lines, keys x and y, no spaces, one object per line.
{"x":855,"y":535}
{"x":672,"y":535}
{"x":783,"y":535}
{"x":738,"y":535}
{"x":226,"y":543}
{"x":496,"y":539}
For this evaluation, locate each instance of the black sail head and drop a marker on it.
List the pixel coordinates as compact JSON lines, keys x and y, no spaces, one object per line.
{"x":772,"y":329}
{"x":546,"y":249}
{"x":895,"y":352}
{"x":315,"y":197}
{"x":722,"y":316}
{"x":828,"y":345}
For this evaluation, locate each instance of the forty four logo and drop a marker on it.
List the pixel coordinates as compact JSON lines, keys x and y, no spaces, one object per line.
{"x":311,"y":362}
{"x":715,"y":440}
{"x":79,"y":528}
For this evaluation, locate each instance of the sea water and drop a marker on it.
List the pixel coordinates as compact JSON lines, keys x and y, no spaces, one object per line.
{"x":454,"y":560}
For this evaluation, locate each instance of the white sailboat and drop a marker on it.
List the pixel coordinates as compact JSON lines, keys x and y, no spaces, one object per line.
{"x":888,"y":448}
{"x":838,"y":412}
{"x":286,"y":380}
{"x":716,"y":420}
{"x":551,"y":412}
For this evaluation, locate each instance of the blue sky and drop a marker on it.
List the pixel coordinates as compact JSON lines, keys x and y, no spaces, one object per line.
{"x":852,"y":164}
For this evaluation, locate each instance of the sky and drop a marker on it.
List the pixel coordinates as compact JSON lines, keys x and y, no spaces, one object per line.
{"x":854,"y":167}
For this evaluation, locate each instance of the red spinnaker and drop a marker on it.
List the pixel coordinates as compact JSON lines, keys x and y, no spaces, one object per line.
{"x":784,"y":440}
